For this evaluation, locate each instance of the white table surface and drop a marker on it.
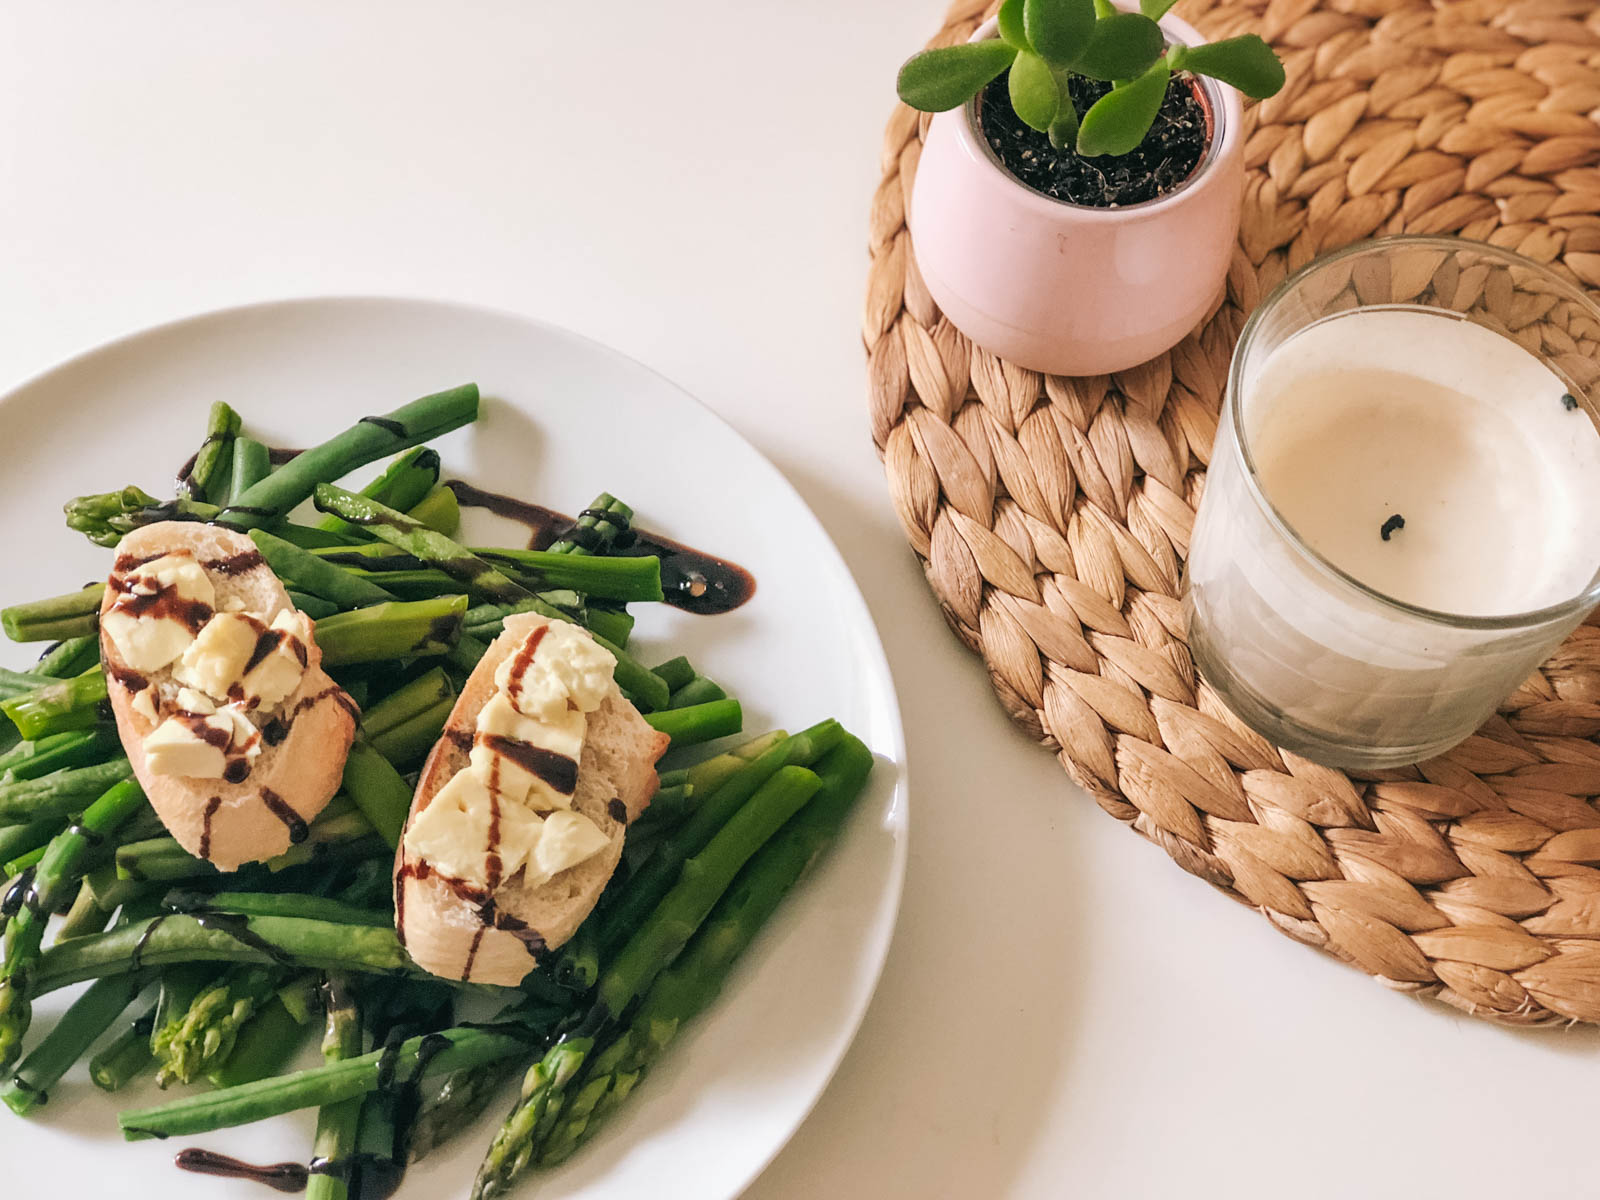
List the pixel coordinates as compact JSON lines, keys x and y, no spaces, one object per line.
{"x":1063,"y":1011}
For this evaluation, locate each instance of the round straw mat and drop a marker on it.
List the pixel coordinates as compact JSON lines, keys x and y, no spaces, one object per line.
{"x":1053,"y":514}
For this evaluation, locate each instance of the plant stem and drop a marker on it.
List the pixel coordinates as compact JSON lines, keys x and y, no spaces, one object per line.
{"x":207,"y":479}
{"x":84,"y":917}
{"x":396,"y":629}
{"x":675,"y":672}
{"x":623,"y":579}
{"x":60,"y":792}
{"x":286,"y":941}
{"x":58,"y":705}
{"x":641,"y":893}
{"x":57,"y":751}
{"x":598,"y":528}
{"x":378,"y":789}
{"x":316,"y":1087}
{"x":70,"y":656}
{"x":251,"y":464}
{"x":267,"y":1044}
{"x":439,"y":510}
{"x":89,"y":1016}
{"x":404,"y":483}
{"x":277,"y":904}
{"x":416,"y":697}
{"x":59,"y":870}
{"x":314,"y":607}
{"x":306,"y":571}
{"x":337,"y":1124}
{"x":368,"y":439}
{"x":705,"y":777}
{"x":127,"y":1057}
{"x":159,"y":860}
{"x":482,"y":581}
{"x":699,"y":722}
{"x":698,"y":690}
{"x":613,"y":624}
{"x":72,"y":615}
{"x":695,"y":979}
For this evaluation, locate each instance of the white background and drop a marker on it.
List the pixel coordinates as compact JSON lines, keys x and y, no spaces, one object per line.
{"x":1064,"y":1012}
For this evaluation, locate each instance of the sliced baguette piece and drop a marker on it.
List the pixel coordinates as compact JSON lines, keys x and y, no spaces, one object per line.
{"x":454,"y":933}
{"x":230,"y":824}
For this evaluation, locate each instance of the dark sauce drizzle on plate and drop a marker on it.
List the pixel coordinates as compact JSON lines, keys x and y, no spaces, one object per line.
{"x":367,"y":1175}
{"x":693,"y":580}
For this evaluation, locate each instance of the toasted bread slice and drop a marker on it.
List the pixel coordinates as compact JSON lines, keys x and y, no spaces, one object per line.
{"x":291,"y":782}
{"x":454,"y":932}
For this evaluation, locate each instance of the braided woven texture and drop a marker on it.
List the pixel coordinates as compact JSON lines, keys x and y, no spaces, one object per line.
{"x":1053,"y":514}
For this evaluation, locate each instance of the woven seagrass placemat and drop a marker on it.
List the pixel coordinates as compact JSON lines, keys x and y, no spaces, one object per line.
{"x":1053,"y":514}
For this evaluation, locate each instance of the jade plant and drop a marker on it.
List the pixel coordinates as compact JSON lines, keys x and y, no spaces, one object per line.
{"x":1045,"y":42}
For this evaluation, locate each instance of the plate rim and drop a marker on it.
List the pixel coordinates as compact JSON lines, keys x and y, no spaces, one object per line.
{"x":899,"y":800}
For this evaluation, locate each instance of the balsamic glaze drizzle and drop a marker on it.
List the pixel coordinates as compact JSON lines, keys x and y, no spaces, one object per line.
{"x":693,"y":580}
{"x":278,"y":807}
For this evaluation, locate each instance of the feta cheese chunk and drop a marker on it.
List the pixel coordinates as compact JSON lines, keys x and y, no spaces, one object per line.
{"x":146,"y":638}
{"x":244,"y":739}
{"x":568,"y":668}
{"x":178,"y":572}
{"x":144,"y":703}
{"x":190,"y":700}
{"x":452,"y":833}
{"x":218,"y":656}
{"x":278,"y":673}
{"x":199,"y":743}
{"x":567,"y":839}
{"x":177,"y":747}
{"x":527,"y":761}
{"x":146,"y":643}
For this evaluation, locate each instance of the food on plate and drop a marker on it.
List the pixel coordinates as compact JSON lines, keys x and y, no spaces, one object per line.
{"x":285,"y":774}
{"x":233,"y":729}
{"x":522,"y":808}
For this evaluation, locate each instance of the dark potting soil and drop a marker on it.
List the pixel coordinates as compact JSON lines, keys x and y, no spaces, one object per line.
{"x":1166,"y":157}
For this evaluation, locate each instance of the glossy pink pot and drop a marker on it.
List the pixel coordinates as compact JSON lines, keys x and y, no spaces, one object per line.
{"x":1062,"y":288}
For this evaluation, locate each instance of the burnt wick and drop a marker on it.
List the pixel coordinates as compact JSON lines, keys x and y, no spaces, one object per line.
{"x":1395,"y":522}
{"x":1569,"y":401}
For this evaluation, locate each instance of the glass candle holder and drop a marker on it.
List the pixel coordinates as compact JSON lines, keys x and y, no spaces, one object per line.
{"x":1401,"y":517}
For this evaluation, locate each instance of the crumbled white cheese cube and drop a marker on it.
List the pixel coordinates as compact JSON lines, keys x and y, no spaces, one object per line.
{"x":567,"y":839}
{"x":190,"y":700}
{"x":568,"y":668}
{"x":218,"y":656}
{"x":146,"y":643}
{"x":527,"y":761}
{"x":244,"y":739}
{"x":178,"y":571}
{"x":176,"y":748}
{"x":149,"y":642}
{"x":144,"y":703}
{"x":452,"y":832}
{"x":278,"y":674}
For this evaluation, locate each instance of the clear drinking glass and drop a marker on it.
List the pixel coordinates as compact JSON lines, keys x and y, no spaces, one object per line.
{"x":1309,"y":656}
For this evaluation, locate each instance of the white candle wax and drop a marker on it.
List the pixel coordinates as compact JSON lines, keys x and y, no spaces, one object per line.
{"x":1460,"y":432}
{"x":1352,"y":422}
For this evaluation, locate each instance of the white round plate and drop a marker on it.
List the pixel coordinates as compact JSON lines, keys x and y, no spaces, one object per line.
{"x":563,"y":419}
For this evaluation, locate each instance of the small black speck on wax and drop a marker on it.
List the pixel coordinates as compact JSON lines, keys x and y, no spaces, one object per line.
{"x":1394,"y":523}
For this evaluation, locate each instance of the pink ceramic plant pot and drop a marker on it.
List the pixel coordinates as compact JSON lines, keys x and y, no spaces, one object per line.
{"x":1063,"y":288}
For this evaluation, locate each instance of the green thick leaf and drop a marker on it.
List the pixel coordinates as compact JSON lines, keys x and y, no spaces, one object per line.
{"x":1246,"y":62}
{"x":1065,"y":130}
{"x":1155,"y":9}
{"x":1034,"y":93}
{"x":1058,"y":29}
{"x":1118,"y":121}
{"x":1011,"y":27}
{"x":1122,"y":47}
{"x":948,"y":77}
